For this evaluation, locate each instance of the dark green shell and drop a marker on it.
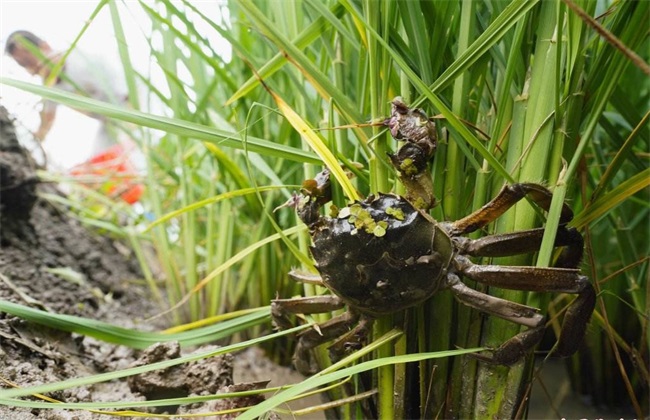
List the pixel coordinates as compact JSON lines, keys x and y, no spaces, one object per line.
{"x":381,"y":255}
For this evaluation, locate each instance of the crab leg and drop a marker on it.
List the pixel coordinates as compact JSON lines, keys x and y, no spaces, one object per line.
{"x":314,"y":337}
{"x":507,"y":197}
{"x":515,"y":348}
{"x":321,"y":333}
{"x":511,"y":311}
{"x":412,"y":165}
{"x":304,"y":277}
{"x":506,"y":244}
{"x":352,"y":340}
{"x":538,"y":279}
{"x":282,"y":308}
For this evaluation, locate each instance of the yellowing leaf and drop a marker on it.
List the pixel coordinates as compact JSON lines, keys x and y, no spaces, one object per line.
{"x":316,"y":143}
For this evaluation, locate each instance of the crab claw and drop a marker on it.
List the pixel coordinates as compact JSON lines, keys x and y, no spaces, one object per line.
{"x":319,"y":186}
{"x":412,"y":125}
{"x":292,"y":202}
{"x":412,"y":165}
{"x":314,"y":194}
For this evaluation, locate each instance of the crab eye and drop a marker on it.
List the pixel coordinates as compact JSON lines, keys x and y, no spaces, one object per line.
{"x":310,"y":186}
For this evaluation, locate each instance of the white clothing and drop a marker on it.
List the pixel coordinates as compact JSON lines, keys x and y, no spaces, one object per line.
{"x":94,"y":77}
{"x":91,"y":76}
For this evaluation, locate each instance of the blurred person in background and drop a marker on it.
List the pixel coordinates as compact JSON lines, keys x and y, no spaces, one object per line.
{"x":88,"y":76}
{"x":80,"y":74}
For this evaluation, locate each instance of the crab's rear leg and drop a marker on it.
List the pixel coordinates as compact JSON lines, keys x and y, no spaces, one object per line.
{"x":535,"y":279}
{"x":507,"y":197}
{"x":352,"y":340}
{"x":515,"y":348}
{"x":281,"y":309}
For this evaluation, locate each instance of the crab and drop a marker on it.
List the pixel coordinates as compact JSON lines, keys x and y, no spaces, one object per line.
{"x":385,"y":254}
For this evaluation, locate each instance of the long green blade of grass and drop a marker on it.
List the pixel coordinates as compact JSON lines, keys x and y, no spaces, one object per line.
{"x":316,"y":381}
{"x":103,"y":377}
{"x":130,"y":337}
{"x":612,"y":199}
{"x":225,"y":196}
{"x":171,"y":125}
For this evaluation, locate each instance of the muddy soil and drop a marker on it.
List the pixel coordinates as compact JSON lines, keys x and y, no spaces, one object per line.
{"x":37,"y":241}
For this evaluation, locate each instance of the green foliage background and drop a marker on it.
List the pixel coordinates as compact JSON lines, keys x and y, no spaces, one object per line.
{"x":549,"y":92}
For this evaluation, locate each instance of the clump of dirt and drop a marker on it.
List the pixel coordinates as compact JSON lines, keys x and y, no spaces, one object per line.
{"x":49,"y":261}
{"x":213,"y":375}
{"x":200,"y":377}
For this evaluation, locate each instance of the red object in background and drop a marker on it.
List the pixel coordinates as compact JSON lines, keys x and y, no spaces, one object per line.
{"x":112,"y":173}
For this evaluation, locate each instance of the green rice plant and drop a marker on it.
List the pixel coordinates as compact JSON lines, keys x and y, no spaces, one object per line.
{"x":524,"y":91}
{"x":525,"y":96}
